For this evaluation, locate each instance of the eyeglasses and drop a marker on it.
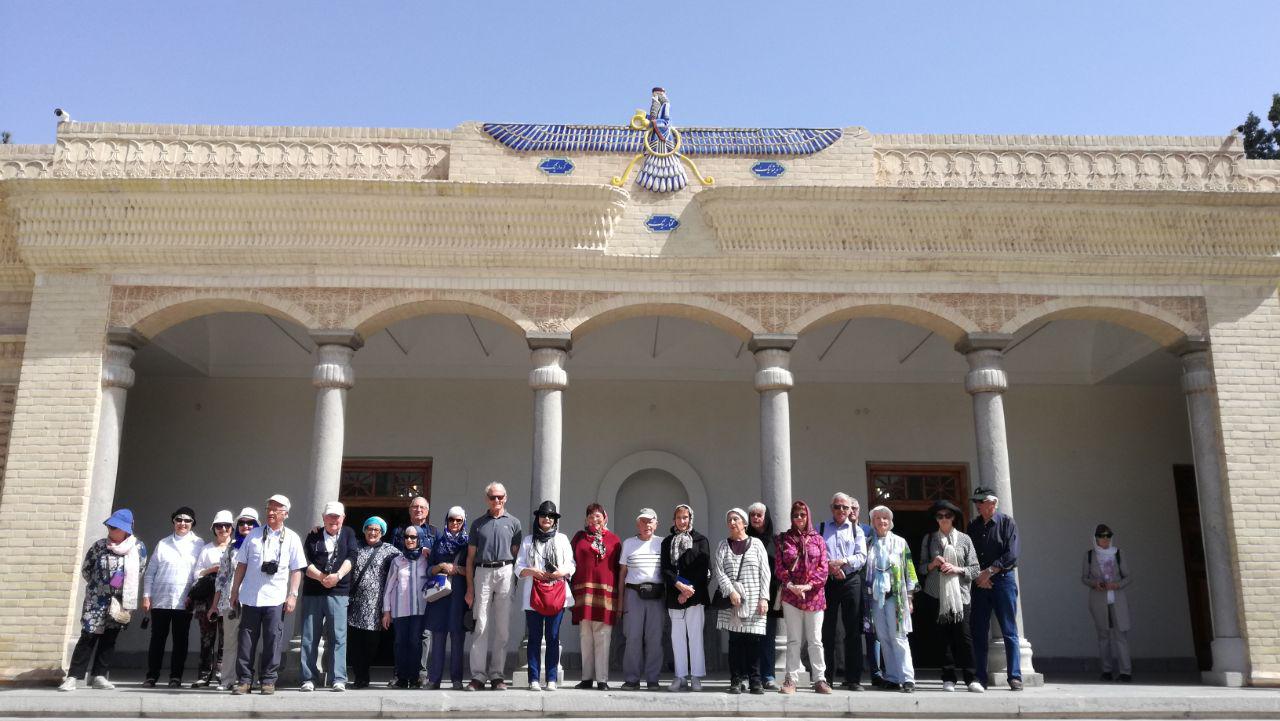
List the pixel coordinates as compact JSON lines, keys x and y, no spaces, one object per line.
{"x":1103,"y":535}
{"x":222,"y":526}
{"x":497,"y":498}
{"x":184,"y":519}
{"x":245,"y":523}
{"x":454,"y":520}
{"x":410,"y":538}
{"x":944,"y":516}
{"x":799,"y":515}
{"x":839,"y":507}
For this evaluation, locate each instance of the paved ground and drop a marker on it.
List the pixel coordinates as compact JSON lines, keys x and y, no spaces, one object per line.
{"x":1057,"y":699}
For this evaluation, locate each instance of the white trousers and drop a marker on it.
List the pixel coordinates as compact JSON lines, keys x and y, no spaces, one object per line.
{"x":893,"y":646}
{"x":804,"y":627}
{"x":686,"y":640}
{"x":593,"y":638}
{"x":492,"y":611}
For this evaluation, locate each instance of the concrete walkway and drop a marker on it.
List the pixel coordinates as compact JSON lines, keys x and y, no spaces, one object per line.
{"x":1054,"y":700}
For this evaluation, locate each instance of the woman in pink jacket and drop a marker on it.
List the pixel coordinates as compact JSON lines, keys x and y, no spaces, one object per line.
{"x":802,"y":571}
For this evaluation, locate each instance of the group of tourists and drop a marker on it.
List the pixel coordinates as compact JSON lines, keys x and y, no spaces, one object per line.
{"x":832,"y":582}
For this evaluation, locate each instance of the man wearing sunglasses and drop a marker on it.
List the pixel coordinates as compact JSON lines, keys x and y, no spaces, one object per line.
{"x":995,"y":538}
{"x":491,"y":555}
{"x":846,"y":556}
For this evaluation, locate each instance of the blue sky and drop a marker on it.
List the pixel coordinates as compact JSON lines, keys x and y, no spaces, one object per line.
{"x":1069,"y":68}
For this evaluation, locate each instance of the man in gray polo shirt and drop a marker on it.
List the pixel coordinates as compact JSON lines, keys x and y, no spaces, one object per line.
{"x":491,"y":555}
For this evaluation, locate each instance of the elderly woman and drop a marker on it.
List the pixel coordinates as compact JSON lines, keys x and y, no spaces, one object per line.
{"x":597,"y":553}
{"x":1106,"y":574}
{"x":949,"y":564}
{"x":801,"y":569}
{"x":444,"y":615}
{"x":221,"y":605}
{"x":686,"y":571}
{"x":403,"y":605}
{"x":544,"y":562}
{"x":112,"y":571}
{"x":740,"y":572}
{"x":202,"y":595}
{"x":760,"y":525}
{"x":891,"y":577}
{"x":364,"y":607}
{"x":164,"y":595}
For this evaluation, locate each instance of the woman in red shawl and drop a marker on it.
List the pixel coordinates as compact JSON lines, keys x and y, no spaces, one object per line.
{"x":597,"y":553}
{"x":802,"y":571}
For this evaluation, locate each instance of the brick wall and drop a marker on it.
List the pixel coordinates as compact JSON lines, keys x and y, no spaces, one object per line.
{"x":1245,"y":331}
{"x":7,"y":394}
{"x":49,"y":467}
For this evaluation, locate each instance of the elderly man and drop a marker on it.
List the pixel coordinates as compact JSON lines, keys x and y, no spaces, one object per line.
{"x":268,"y":570}
{"x":330,"y":553}
{"x":491,"y":555}
{"x":846,"y":556}
{"x":643,"y":603}
{"x":995,"y":538}
{"x":419,"y":515}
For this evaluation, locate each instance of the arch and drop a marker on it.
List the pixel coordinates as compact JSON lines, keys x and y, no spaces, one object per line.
{"x":1156,"y":323}
{"x":695,"y":307}
{"x":169,"y":310}
{"x":374,"y":317}
{"x":628,"y":466}
{"x":943,"y":320}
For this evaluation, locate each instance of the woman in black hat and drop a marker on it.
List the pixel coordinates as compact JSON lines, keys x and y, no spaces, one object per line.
{"x":545,"y":561}
{"x":1106,"y":574}
{"x":948,"y":565}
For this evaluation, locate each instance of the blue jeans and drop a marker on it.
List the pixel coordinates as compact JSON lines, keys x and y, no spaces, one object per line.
{"x":769,"y":650}
{"x":408,"y":648}
{"x":327,"y":615}
{"x":537,"y":625}
{"x":1002,"y":598}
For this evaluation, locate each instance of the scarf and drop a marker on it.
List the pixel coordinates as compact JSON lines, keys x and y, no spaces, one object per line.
{"x":449,"y":544}
{"x":240,"y":539}
{"x":681,"y":541}
{"x":417,"y":551}
{"x":129,"y":588}
{"x":946,"y":586}
{"x":544,"y":546}
{"x":597,"y":541}
{"x":1106,"y":558}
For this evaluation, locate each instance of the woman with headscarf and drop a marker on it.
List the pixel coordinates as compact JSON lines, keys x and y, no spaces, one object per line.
{"x":949,"y":564}
{"x":444,"y":615}
{"x":202,"y":595}
{"x":760,"y":525}
{"x":801,"y":570}
{"x":597,"y":555}
{"x":403,"y":605}
{"x":891,"y":577}
{"x":740,"y":573}
{"x":686,"y":571}
{"x":544,"y":562}
{"x":364,"y":607}
{"x":221,"y":606}
{"x":112,"y":571}
{"x":165,"y":585}
{"x":1107,"y":575}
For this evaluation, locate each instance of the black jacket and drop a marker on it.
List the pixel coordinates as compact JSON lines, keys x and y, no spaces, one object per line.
{"x":694,"y":566}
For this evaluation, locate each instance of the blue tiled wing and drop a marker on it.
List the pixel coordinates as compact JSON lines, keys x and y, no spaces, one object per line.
{"x":530,"y":137}
{"x":756,"y":141}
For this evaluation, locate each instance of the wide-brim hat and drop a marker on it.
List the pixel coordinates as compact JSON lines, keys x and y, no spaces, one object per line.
{"x":548,"y":509}
{"x":944,"y":504}
{"x":121,"y":519}
{"x":223,"y":517}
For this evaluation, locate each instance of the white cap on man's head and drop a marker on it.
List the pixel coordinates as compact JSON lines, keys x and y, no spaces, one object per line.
{"x":647,"y":513}
{"x":334,"y":508}
{"x":281,"y":499}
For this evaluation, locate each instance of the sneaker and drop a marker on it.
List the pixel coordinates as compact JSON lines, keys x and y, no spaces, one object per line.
{"x":341,"y":687}
{"x":822,"y":687}
{"x":307,"y":687}
{"x":770,"y":684}
{"x":240,"y":689}
{"x":200,"y":683}
{"x":631,"y":686}
{"x":602,"y":686}
{"x":551,"y":686}
{"x":677,"y":685}
{"x":949,"y":686}
{"x":175,"y":683}
{"x":68,"y":684}
{"x":975,"y":687}
{"x":585,"y":684}
{"x":475,"y":685}
{"x":535,"y":686}
{"x":1015,"y":684}
{"x":268,"y":689}
{"x":757,"y":689}
{"x":499,"y":684}
{"x":908,"y":687}
{"x":788,"y":686}
{"x":101,"y":683}
{"x":695,"y":683}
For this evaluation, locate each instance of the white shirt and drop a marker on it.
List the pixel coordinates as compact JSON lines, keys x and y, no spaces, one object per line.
{"x":284,"y":546}
{"x":169,"y":571}
{"x":527,"y":559}
{"x":209,"y":555}
{"x":330,"y":542}
{"x":642,"y":559}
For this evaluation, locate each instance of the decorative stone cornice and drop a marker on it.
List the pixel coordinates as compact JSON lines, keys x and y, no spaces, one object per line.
{"x":25,"y":161}
{"x":338,"y":336}
{"x":968,"y":229}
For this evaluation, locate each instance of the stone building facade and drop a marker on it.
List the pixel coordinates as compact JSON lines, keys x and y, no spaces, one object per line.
{"x":175,"y":244}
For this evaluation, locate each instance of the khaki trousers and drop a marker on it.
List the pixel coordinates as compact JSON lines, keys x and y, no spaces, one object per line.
{"x":495,"y":590}
{"x":594,"y":637}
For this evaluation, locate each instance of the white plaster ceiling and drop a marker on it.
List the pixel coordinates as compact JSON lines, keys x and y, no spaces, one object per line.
{"x":865,"y":350}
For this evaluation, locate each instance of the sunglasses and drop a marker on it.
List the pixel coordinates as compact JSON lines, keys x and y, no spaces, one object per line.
{"x":184,"y":519}
{"x":222,"y":526}
{"x":1103,"y":535}
{"x":839,"y":507}
{"x":944,"y":516}
{"x":245,"y":523}
{"x":410,"y":538}
{"x":496,"y":498}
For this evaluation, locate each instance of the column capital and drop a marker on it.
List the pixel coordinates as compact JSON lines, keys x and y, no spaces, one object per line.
{"x":772,"y":341}
{"x":338,"y":336}
{"x":986,"y":371}
{"x":548,"y":372}
{"x":983,"y":341}
{"x":117,"y":370}
{"x":773,"y":369}
{"x":542,"y":339}
{"x":120,"y":335}
{"x":1190,"y":344}
{"x":333,"y":366}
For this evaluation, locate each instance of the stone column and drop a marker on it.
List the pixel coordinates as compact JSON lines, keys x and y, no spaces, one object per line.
{"x":117,"y":379}
{"x":987,"y":381}
{"x":332,"y":377}
{"x":773,"y":380}
{"x":1229,"y":651}
{"x":548,"y":380}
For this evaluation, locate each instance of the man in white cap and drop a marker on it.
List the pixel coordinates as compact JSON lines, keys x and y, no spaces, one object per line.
{"x":644,"y":603}
{"x":330,"y":553}
{"x":268,"y":571}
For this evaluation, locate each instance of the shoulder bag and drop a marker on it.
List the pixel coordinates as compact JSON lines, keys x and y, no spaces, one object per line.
{"x":720,"y":601}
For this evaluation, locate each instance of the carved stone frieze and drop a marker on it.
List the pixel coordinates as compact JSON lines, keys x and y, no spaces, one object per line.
{"x":990,"y":312}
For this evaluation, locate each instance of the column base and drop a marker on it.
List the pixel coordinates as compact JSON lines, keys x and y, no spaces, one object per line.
{"x":1230,"y":679}
{"x":1230,"y":656}
{"x":997,"y":669}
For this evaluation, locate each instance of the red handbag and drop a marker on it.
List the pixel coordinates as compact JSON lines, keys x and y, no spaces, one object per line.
{"x":547,"y":597}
